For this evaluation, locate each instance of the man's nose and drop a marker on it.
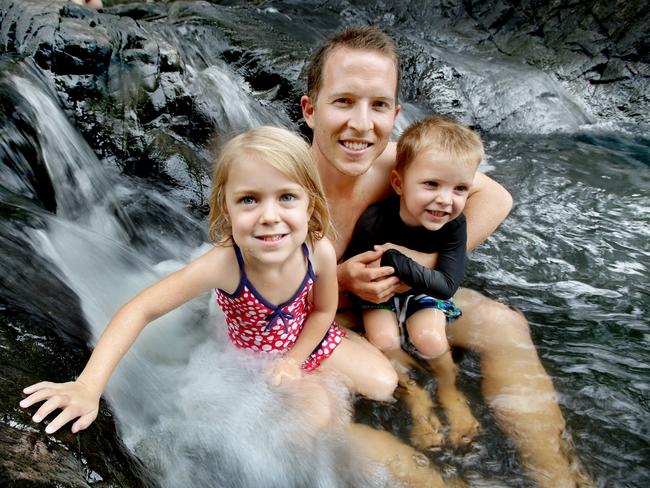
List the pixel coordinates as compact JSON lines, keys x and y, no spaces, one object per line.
{"x":361,"y":118}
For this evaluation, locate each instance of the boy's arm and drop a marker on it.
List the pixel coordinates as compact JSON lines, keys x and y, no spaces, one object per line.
{"x":443,"y":281}
{"x":80,"y":398}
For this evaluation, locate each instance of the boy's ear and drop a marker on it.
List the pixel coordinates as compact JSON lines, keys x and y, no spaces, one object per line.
{"x":307,"y":110}
{"x":396,"y":182}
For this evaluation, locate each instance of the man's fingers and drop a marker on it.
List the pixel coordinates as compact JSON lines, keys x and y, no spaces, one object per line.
{"x":367,"y":257}
{"x":379,"y":273}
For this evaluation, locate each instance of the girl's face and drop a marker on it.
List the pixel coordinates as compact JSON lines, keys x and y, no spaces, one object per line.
{"x":269,"y":213}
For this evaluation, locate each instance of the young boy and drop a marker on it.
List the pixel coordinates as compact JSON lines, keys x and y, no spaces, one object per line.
{"x":436,"y":162}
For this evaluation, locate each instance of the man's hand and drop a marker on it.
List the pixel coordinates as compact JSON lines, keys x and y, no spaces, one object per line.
{"x":75,"y":399}
{"x":373,"y":284}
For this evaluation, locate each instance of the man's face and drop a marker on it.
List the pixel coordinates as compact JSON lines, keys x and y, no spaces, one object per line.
{"x":353,"y":114}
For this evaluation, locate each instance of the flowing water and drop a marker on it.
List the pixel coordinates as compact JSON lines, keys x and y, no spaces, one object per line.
{"x":573,"y":256}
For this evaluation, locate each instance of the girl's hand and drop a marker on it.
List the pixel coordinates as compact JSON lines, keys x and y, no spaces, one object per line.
{"x":285,"y":370}
{"x":75,"y":399}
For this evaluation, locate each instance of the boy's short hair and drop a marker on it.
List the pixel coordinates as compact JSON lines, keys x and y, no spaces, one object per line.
{"x":285,"y":151}
{"x":457,"y":141}
{"x":359,"y":37}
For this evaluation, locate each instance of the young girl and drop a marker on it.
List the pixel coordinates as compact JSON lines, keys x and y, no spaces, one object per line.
{"x":274,"y":273}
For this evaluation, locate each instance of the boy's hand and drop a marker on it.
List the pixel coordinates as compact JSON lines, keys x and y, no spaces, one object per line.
{"x":373,"y":284}
{"x":75,"y":399}
{"x":286,"y":370}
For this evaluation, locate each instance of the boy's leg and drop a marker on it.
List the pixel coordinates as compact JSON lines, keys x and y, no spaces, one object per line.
{"x":516,"y":386}
{"x":427,"y":333}
{"x":381,"y":328}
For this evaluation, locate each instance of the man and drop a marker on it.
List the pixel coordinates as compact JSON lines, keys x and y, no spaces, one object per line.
{"x":351,"y":105}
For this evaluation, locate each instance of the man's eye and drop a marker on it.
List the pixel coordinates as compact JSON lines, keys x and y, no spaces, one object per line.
{"x":381,"y":104}
{"x":287,"y":197}
{"x":343,"y":101}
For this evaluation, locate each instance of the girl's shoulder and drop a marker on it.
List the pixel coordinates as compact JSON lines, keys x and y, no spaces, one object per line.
{"x":220,"y":267}
{"x":322,"y":254}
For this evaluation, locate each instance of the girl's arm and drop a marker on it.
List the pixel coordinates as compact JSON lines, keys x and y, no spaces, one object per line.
{"x":325,"y":300}
{"x":80,"y":398}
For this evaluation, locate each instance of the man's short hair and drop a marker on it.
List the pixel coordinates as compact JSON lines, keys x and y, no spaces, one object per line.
{"x":360,"y":37}
{"x":451,"y":138}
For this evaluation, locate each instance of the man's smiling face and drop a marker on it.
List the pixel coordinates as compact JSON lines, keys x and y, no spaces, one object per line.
{"x":354,"y":111}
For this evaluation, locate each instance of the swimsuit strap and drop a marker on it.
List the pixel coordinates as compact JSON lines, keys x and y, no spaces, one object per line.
{"x":240,"y":262}
{"x":310,"y":270}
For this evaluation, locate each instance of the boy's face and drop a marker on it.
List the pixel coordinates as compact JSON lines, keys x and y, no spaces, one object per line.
{"x":353,"y":114}
{"x":433,"y":189}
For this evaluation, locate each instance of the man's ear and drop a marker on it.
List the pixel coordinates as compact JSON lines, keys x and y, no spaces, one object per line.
{"x":396,"y":182}
{"x":307,"y":110}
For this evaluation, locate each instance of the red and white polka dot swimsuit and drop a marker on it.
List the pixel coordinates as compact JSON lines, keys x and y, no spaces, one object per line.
{"x":255,"y":324}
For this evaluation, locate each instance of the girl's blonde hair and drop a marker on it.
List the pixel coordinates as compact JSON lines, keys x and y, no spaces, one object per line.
{"x":283,"y":150}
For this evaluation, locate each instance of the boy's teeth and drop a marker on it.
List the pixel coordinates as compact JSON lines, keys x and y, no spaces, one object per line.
{"x":355,"y":146}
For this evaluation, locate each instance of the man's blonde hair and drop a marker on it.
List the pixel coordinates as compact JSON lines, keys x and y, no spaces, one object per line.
{"x":444,"y":134}
{"x":283,"y":150}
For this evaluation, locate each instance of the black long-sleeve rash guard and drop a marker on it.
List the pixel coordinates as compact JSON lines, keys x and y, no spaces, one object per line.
{"x":381,"y":223}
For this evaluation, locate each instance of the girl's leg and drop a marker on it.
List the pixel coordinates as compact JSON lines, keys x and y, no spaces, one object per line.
{"x":367,"y":372}
{"x":516,"y":386}
{"x":427,"y":333}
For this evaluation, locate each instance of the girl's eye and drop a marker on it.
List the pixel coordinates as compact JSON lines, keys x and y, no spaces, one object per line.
{"x":461,"y":189}
{"x":247,"y":200}
{"x":287,"y":197}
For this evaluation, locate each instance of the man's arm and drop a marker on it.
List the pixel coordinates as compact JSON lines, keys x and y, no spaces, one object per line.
{"x":487,"y":206}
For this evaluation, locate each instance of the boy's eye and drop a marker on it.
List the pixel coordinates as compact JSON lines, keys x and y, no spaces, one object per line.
{"x":431,"y":184}
{"x":461,"y":188}
{"x":287,"y":197}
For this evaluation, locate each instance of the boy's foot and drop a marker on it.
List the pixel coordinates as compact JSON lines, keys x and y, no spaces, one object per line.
{"x":463,"y":426}
{"x":427,"y":432}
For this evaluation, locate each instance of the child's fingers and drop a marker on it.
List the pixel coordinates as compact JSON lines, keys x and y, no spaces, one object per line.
{"x":56,"y":401}
{"x":37,"y":386}
{"x":60,"y":420}
{"x":84,"y":422}
{"x":36,"y":397}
